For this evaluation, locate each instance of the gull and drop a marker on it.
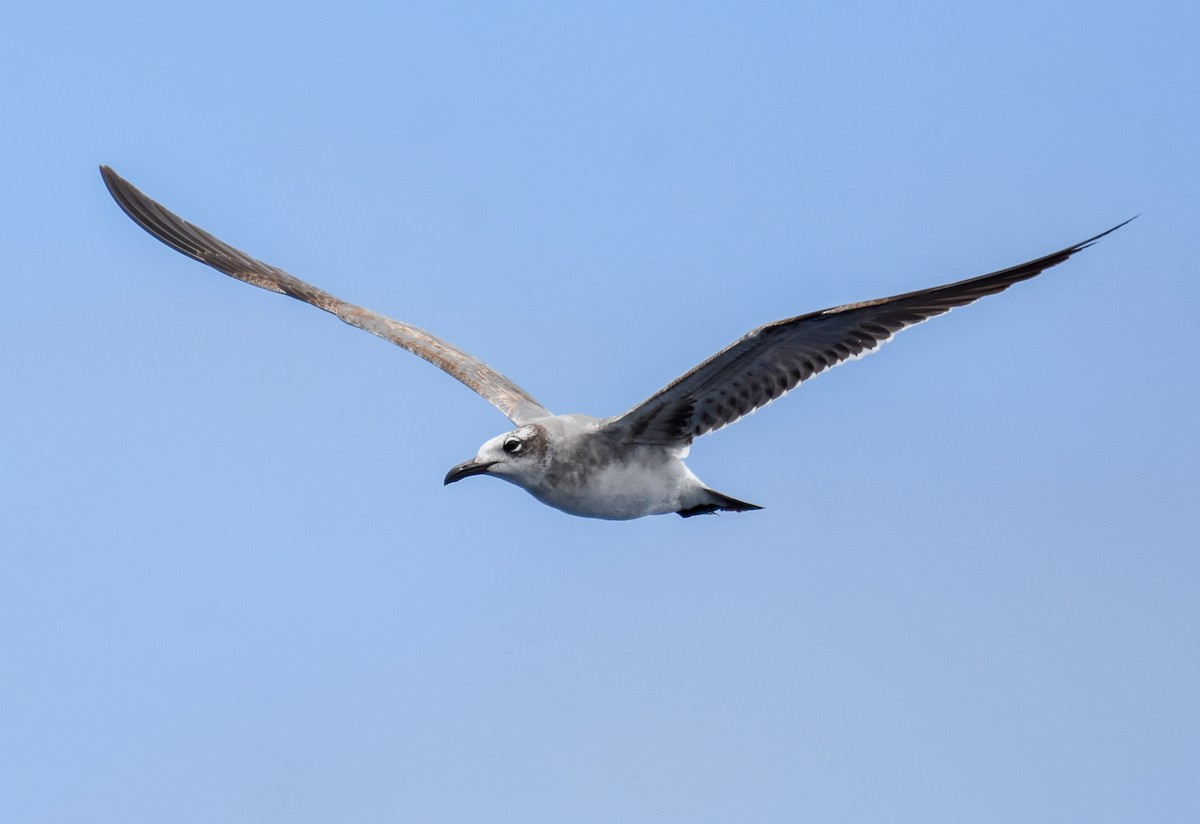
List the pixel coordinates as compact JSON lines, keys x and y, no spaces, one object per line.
{"x":629,"y":465}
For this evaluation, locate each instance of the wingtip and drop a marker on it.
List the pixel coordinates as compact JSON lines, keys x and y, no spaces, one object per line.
{"x":1091,"y":240}
{"x":1125,"y":222}
{"x":112,"y":180}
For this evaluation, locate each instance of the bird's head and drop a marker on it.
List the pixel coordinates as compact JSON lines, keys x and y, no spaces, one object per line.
{"x":517,"y":456}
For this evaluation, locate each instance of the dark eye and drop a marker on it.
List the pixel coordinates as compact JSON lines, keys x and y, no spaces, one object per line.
{"x":512,"y":446}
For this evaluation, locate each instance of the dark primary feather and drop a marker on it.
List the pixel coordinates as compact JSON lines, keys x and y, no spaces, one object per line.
{"x":514,"y":402}
{"x":773,"y":359}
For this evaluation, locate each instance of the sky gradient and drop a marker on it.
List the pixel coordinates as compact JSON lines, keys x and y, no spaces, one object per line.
{"x":233,"y":587}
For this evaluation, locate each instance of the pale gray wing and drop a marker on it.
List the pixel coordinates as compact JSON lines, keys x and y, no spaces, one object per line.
{"x":773,"y":359}
{"x":512,"y":400}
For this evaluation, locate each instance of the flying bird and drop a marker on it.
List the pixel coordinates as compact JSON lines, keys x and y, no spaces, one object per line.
{"x":629,"y":465}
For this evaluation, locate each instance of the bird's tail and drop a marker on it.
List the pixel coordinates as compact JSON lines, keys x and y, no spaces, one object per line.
{"x":716,"y":502}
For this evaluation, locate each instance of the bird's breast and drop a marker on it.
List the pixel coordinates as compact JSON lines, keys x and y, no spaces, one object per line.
{"x":615,"y":482}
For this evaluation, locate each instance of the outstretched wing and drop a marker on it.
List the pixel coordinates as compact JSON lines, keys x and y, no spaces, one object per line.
{"x":512,"y":400}
{"x":773,"y":359}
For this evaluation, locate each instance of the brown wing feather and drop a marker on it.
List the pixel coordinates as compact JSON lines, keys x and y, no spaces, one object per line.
{"x":512,"y":400}
{"x":773,"y":359}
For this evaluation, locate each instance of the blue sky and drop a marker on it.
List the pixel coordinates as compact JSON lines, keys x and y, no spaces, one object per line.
{"x":233,"y":588}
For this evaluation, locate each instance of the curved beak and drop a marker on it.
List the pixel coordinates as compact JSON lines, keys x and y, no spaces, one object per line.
{"x":466,"y":470}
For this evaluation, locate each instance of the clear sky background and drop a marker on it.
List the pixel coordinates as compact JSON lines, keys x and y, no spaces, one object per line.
{"x":233,"y":588}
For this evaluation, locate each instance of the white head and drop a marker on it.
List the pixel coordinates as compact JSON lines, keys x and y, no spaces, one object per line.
{"x":518,"y":457}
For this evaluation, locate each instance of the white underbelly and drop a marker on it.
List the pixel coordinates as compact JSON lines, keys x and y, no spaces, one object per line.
{"x":623,"y":492}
